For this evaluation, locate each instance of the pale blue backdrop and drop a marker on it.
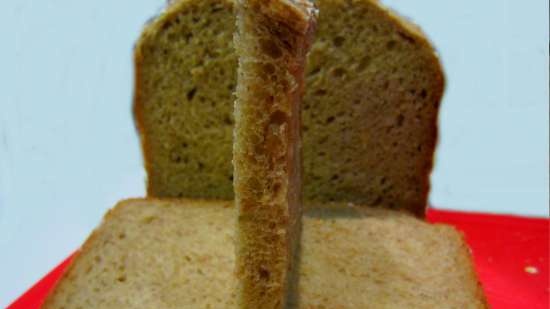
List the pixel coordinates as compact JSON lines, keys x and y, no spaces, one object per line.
{"x":68,"y":149}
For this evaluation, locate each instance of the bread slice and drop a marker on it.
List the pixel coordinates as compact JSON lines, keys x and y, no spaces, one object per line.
{"x":180,"y":254}
{"x":373,"y":88}
{"x":271,"y":41}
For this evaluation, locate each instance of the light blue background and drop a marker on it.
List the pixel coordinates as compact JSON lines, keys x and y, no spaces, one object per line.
{"x":68,"y":149}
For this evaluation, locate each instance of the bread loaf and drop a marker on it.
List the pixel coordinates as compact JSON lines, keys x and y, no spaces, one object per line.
{"x":271,"y":41}
{"x":174,"y":254}
{"x":373,"y":88}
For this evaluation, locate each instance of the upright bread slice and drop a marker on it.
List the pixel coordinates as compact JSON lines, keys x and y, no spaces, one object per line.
{"x":271,"y":41}
{"x":373,"y":88}
{"x":179,"y":254}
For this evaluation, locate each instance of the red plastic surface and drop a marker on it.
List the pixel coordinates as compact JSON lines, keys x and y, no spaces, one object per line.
{"x":510,"y":253}
{"x":511,"y":256}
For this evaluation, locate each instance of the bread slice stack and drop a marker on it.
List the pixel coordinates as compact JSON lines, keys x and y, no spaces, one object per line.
{"x":372,"y":91}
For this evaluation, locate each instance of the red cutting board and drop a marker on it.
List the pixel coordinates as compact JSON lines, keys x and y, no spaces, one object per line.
{"x":510,"y":253}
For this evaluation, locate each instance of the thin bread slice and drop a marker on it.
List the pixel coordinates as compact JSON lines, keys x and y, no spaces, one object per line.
{"x":172,"y":254}
{"x":272,"y":40}
{"x":373,"y":88}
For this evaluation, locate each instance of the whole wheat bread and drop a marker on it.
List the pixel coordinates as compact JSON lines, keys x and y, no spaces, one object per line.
{"x":272,"y":40}
{"x":373,"y":88}
{"x":167,"y":254}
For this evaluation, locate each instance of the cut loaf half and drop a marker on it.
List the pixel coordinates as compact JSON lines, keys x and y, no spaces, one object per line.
{"x":174,"y":254}
{"x":372,"y":94}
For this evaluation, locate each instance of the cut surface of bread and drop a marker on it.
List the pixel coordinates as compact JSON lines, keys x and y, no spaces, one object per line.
{"x":180,"y":254}
{"x":154,"y":254}
{"x":271,"y":41}
{"x":375,"y":258}
{"x":373,"y":88}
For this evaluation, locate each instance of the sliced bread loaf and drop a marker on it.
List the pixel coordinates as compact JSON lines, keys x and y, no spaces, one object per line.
{"x":180,"y":254}
{"x":271,"y":41}
{"x":373,"y":88}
